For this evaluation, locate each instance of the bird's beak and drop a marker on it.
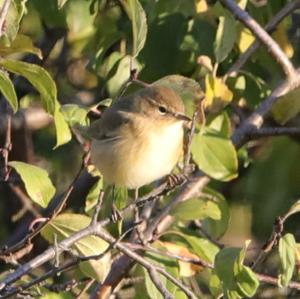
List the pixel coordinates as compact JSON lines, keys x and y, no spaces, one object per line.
{"x":187,"y":121}
{"x":182,"y":117}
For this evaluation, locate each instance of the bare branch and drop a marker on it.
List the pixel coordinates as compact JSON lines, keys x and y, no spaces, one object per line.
{"x":262,"y":35}
{"x":256,"y":119}
{"x":274,"y":131}
{"x":271,"y":26}
{"x":162,"y":289}
{"x":100,"y":232}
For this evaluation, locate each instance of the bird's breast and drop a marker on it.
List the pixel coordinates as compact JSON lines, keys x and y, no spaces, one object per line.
{"x":139,"y":159}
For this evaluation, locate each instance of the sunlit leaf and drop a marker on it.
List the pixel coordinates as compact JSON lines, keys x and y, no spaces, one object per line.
{"x":217,"y":94}
{"x":139,"y":25}
{"x":74,"y":114}
{"x":221,"y":124}
{"x":63,"y":226}
{"x":121,"y":76}
{"x":287,"y":253}
{"x":63,"y":134}
{"x":215,"y":155}
{"x":8,"y":90}
{"x":93,"y":195}
{"x":245,"y":39}
{"x":295,"y":208}
{"x":215,"y":285}
{"x":45,"y":85}
{"x":36,"y":181}
{"x":21,"y":44}
{"x":216,"y":228}
{"x":196,"y":208}
{"x":280,"y":35}
{"x":12,"y":20}
{"x":203,"y":248}
{"x":185,"y":269}
{"x":238,"y":280}
{"x":225,"y":37}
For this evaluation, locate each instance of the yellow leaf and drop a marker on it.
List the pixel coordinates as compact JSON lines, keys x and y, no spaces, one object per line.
{"x":201,"y":6}
{"x":217,"y":94}
{"x":245,"y":39}
{"x":280,"y":35}
{"x":185,"y":269}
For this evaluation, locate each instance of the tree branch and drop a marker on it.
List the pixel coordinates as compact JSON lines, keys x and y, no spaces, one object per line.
{"x":261,"y":35}
{"x":271,"y":26}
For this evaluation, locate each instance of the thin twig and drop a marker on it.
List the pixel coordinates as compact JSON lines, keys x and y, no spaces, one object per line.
{"x":271,"y":26}
{"x":262,"y":35}
{"x":100,"y":232}
{"x":256,"y":119}
{"x":26,"y":201}
{"x":157,"y":282}
{"x":187,"y":157}
{"x":7,"y":145}
{"x":98,"y":207}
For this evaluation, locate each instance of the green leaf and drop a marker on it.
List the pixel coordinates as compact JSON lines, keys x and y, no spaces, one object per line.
{"x":45,"y":85}
{"x":63,"y":134}
{"x":38,"y":77}
{"x":121,"y":76}
{"x":225,"y":37}
{"x":74,"y":114}
{"x":238,"y":280}
{"x":12,"y":20}
{"x":221,"y":124}
{"x":217,"y":94}
{"x":169,"y":265}
{"x":203,"y":248}
{"x":65,"y":225}
{"x":138,"y":19}
{"x":188,"y":89}
{"x":295,"y":208}
{"x":36,"y":180}
{"x":215,"y":285}
{"x":287,"y":107}
{"x":21,"y":44}
{"x":61,"y":3}
{"x":93,"y":195}
{"x":287,"y":253}
{"x":217,"y":228}
{"x":152,"y":291}
{"x":8,"y":90}
{"x":200,"y":246}
{"x":196,"y":208}
{"x":215,"y":155}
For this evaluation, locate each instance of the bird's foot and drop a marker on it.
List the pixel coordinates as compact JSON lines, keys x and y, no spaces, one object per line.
{"x":174,"y":180}
{"x":115,"y":214}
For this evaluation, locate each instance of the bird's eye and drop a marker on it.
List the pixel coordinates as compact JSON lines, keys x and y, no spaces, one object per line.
{"x":162,"y":110}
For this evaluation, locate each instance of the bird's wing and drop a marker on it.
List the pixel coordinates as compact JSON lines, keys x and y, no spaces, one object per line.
{"x":108,"y":127}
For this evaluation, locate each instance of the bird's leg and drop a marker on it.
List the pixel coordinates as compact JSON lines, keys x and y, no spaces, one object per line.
{"x":116,"y":215}
{"x":137,"y":219}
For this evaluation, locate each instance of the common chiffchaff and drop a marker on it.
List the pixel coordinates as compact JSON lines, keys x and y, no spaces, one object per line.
{"x":139,"y":139}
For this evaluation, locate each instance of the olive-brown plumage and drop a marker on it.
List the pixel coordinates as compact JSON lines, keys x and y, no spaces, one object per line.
{"x":139,"y":139}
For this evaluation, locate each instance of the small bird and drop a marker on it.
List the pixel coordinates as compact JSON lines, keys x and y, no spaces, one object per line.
{"x":139,"y":139}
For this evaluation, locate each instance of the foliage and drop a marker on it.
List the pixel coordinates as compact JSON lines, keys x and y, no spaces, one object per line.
{"x":65,"y":61}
